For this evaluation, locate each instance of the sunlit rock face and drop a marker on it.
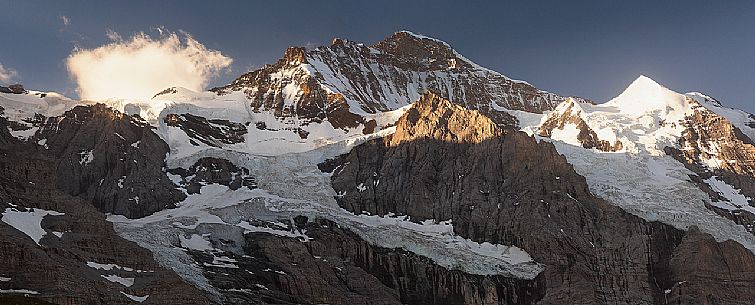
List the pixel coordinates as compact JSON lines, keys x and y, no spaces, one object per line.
{"x":723,"y":158}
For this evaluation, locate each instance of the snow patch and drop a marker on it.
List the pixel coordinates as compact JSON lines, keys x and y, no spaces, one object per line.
{"x":109,"y":267}
{"x":125,"y":281}
{"x":21,"y":291}
{"x":735,"y":199}
{"x":24,"y":134}
{"x":28,"y":222}
{"x":195,"y":242}
{"x":567,"y":135}
{"x":86,"y":157}
{"x":135,"y":298}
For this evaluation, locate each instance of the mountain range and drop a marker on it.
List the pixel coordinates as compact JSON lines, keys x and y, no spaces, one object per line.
{"x":396,"y":173}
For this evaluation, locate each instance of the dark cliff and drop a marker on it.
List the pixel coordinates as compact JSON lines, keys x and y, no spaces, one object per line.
{"x":504,"y":187}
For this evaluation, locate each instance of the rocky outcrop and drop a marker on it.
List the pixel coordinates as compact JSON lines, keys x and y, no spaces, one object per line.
{"x":569,"y":112}
{"x":210,"y":170}
{"x":61,"y":268}
{"x":433,"y":117}
{"x":320,"y":84}
{"x":170,"y":90}
{"x":505,"y":187}
{"x":335,"y":266}
{"x":212,"y":132}
{"x":711,"y":146}
{"x":13,"y":89}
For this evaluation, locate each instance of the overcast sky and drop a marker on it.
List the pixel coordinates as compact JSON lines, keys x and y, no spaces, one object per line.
{"x":592,"y":49}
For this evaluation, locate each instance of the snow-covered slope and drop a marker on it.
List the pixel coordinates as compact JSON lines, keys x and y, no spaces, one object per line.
{"x":262,"y":132}
{"x":26,"y":111}
{"x":22,"y":106}
{"x":651,"y":175}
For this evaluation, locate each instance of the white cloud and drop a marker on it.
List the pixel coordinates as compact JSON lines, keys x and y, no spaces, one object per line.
{"x":7,"y":75}
{"x":139,"y":67}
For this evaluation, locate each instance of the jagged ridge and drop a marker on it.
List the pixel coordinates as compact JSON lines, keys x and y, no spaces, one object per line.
{"x":339,"y":82}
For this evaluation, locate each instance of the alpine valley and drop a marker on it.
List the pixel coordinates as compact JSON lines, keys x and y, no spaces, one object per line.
{"x":395,"y":173}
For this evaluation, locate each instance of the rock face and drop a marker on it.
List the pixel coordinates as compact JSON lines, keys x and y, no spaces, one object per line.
{"x":62,"y":267}
{"x":504,"y":187}
{"x":433,"y":117}
{"x":569,"y":113}
{"x":712,"y":146}
{"x":337,"y":267}
{"x":109,"y":159}
{"x":14,"y":89}
{"x":338,"y":82}
{"x":214,"y":170}
{"x":211,"y":132}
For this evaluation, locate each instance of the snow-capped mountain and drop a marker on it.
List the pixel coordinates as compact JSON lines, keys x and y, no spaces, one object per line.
{"x":397,"y":173}
{"x":346,"y":80}
{"x":345,"y":90}
{"x":650,"y":126}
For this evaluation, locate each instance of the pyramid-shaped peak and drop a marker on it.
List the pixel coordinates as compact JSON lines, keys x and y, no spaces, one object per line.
{"x":644,"y":83}
{"x":646,"y":95}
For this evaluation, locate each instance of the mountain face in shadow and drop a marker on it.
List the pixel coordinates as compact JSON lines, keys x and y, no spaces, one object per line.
{"x":502,"y":186}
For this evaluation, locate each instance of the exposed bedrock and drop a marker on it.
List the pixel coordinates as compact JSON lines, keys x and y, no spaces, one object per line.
{"x":211,"y":170}
{"x":212,"y":132}
{"x":336,"y":266}
{"x":569,"y":112}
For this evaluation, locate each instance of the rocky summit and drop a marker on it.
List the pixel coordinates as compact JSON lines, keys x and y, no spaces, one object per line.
{"x":394,"y":173}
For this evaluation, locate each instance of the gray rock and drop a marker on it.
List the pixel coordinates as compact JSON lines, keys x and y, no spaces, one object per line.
{"x":110,"y":160}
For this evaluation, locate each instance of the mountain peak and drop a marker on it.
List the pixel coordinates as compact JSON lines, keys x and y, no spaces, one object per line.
{"x":411,"y":44}
{"x":643,"y":82}
{"x":646,"y":95}
{"x":405,"y":33}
